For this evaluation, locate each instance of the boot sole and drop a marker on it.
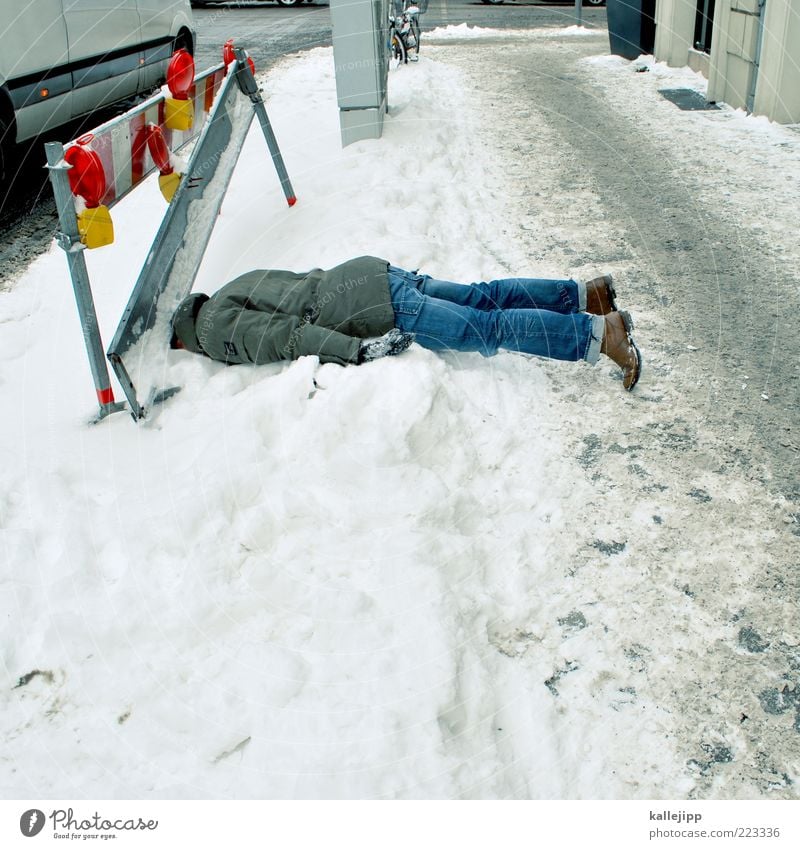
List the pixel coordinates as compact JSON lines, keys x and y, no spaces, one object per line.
{"x":627,"y":320}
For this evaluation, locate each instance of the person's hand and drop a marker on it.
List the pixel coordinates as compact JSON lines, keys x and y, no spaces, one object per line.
{"x":391,"y":343}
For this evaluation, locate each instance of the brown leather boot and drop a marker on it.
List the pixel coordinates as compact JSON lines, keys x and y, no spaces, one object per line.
{"x":619,"y":346}
{"x":600,"y":295}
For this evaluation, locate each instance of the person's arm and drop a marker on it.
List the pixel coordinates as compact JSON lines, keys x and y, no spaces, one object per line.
{"x":271,"y":337}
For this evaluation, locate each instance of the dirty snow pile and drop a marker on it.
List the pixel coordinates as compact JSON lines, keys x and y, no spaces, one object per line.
{"x":459,"y":32}
{"x":313,"y":581}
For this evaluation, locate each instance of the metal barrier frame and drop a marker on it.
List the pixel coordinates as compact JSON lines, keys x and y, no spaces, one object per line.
{"x":174,"y":258}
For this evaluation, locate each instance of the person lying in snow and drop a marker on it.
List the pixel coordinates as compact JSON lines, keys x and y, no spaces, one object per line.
{"x":366,"y":308}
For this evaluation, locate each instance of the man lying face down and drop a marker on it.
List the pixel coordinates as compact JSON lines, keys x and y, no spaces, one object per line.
{"x":366,"y":308}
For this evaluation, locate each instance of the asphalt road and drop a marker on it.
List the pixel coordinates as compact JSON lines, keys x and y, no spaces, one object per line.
{"x":268,"y":32}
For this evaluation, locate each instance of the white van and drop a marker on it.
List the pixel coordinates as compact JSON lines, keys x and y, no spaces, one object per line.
{"x":60,"y":59}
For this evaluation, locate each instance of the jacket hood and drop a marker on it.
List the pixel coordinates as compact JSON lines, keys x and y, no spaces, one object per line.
{"x":183,"y":321}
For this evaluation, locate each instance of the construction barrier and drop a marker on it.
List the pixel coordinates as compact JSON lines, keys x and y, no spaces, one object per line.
{"x":215,"y":110}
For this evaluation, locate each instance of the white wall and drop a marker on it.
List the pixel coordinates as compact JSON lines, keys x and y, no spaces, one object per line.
{"x":777,"y":93}
{"x":733,"y":52}
{"x":674,"y":30}
{"x":778,"y":84}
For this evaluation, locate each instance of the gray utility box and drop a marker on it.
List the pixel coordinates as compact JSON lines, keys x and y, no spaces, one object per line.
{"x":361,"y":61}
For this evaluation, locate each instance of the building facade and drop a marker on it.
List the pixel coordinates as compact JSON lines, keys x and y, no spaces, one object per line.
{"x":748,"y":49}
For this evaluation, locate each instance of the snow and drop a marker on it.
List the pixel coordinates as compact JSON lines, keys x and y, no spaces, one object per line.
{"x":409,"y":579}
{"x":465,"y":31}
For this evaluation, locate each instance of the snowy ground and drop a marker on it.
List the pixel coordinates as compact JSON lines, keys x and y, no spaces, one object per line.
{"x":431,"y":576}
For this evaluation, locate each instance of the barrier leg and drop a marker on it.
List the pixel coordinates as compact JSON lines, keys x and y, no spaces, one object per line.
{"x":69,"y":239}
{"x":248,"y":85}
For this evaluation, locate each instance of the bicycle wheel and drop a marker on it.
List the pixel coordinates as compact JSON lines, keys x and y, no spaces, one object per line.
{"x":398,"y":54}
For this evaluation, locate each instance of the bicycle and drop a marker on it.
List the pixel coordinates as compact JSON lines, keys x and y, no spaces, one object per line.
{"x":405,"y":32}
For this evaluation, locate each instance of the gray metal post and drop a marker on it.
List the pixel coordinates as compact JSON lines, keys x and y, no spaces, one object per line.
{"x":69,"y":239}
{"x":578,"y":12}
{"x":249,"y":86}
{"x":751,"y":93}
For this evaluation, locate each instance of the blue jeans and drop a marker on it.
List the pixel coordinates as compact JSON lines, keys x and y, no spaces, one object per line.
{"x":541,"y":317}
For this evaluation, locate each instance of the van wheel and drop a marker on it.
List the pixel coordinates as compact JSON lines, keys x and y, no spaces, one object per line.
{"x":183,"y":39}
{"x":289,"y":2}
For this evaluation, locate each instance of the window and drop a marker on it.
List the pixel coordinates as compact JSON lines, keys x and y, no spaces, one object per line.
{"x":703,"y":25}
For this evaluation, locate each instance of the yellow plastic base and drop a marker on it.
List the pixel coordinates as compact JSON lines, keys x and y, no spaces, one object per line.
{"x":168,"y":183}
{"x":96,"y":227}
{"x":178,"y":114}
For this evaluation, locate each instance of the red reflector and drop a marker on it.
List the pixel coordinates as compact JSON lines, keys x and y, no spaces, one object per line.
{"x":180,"y":74}
{"x":291,"y":201}
{"x":86,"y":177}
{"x":105,"y":396}
{"x":227,"y":53}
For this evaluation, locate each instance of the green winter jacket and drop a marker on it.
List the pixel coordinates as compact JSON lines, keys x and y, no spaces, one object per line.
{"x":267,"y":316}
